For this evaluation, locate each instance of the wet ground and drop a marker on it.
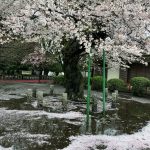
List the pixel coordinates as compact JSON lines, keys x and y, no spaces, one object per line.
{"x":23,"y":126}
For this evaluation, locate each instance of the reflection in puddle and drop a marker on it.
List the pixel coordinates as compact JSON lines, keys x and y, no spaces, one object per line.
{"x":40,"y":132}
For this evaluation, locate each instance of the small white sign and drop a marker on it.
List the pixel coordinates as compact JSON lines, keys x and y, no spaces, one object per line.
{"x":26,"y":72}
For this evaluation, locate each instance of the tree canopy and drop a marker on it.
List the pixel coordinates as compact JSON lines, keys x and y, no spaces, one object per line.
{"x":11,"y":54}
{"x":70,"y":28}
{"x":125,"y":22}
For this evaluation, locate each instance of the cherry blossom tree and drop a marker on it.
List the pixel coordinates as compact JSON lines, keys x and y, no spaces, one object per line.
{"x":74,"y":27}
{"x":36,"y":59}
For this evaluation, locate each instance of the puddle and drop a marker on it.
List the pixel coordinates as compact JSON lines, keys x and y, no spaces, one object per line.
{"x":129,"y":118}
{"x":25,"y":132}
{"x":57,"y":134}
{"x":133,"y":115}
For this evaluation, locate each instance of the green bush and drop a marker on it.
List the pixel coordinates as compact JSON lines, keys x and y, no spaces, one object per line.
{"x":139,"y":85}
{"x":56,"y":67}
{"x":97,"y":83}
{"x":116,"y":84}
{"x":59,"y":80}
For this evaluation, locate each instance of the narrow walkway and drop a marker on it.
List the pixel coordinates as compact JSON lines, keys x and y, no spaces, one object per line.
{"x":44,"y":85}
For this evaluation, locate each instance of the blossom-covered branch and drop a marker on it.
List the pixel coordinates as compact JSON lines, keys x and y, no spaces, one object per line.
{"x":125,"y":22}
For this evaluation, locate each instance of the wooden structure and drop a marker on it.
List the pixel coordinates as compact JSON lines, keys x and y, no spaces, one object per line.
{"x":135,"y":70}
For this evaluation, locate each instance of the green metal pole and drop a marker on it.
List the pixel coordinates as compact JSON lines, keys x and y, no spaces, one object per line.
{"x":89,"y":87}
{"x":104,"y":82}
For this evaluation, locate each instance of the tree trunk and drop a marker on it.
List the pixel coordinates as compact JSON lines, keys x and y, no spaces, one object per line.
{"x":73,"y":77}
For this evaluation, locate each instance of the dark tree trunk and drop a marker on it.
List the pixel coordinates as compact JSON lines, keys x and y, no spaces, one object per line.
{"x":73,"y":76}
{"x":71,"y":56}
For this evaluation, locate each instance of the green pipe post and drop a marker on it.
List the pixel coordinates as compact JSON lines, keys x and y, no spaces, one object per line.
{"x":104,"y":82}
{"x":89,"y":87}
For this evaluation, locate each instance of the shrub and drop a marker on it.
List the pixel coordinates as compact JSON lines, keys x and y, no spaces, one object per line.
{"x":97,"y":83}
{"x":59,"y":80}
{"x":139,"y":85}
{"x":116,"y":84}
{"x":56,"y":67}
